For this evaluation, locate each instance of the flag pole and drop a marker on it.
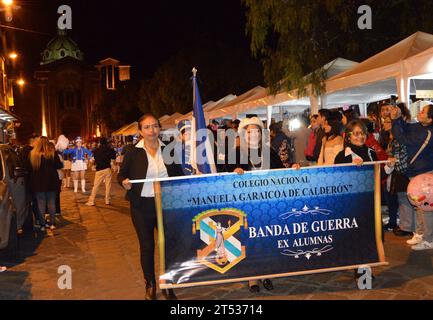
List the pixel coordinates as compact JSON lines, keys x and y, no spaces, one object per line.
{"x":194,"y":86}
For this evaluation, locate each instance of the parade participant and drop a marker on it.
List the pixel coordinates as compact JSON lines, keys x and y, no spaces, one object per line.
{"x":119,"y":156}
{"x":79,"y":166}
{"x":61,"y":145}
{"x":281,"y":144}
{"x":24,"y":159}
{"x":355,"y":150}
{"x":419,"y":143}
{"x":129,"y":145}
{"x":183,"y":148}
{"x":103,"y":156}
{"x":44,"y":178}
{"x":146,"y":162}
{"x":250,"y":130}
{"x":67,"y":165}
{"x":332,"y":142}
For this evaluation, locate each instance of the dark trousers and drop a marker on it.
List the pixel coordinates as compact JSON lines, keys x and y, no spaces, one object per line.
{"x":392,"y":208}
{"x":59,"y":189}
{"x":143,"y":214}
{"x":46,"y":200}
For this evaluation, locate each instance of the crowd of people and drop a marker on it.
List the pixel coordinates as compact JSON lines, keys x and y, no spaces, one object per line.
{"x":47,"y":167}
{"x":330,"y":138}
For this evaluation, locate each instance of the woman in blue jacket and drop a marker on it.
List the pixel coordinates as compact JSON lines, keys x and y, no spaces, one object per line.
{"x":418,"y":139}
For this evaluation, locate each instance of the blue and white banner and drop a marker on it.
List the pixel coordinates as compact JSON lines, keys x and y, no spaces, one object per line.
{"x":263,"y":225}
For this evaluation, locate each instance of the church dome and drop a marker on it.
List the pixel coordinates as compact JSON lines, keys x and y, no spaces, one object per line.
{"x":61,"y":47}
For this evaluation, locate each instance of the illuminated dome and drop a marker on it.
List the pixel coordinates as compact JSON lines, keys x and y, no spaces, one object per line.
{"x":61,"y":47}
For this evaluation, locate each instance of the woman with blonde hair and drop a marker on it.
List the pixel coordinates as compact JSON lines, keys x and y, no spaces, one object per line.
{"x":44,"y":179}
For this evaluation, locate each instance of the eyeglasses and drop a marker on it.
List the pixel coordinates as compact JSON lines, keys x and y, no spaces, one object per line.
{"x":358,"y":134}
{"x":150,"y":126}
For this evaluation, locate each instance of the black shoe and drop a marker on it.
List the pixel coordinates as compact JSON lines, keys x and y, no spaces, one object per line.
{"x":150,"y":291}
{"x":254,"y":288}
{"x":169,"y":294}
{"x":390,"y":227}
{"x":267,"y":283}
{"x":401,"y":233}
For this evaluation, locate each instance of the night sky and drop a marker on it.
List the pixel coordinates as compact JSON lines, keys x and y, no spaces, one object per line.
{"x":143,"y":34}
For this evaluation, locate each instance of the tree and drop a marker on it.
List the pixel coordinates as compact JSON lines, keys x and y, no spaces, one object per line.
{"x":222,"y":70}
{"x":294,"y":38}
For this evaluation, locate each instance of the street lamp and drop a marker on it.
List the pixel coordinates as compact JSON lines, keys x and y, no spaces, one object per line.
{"x":21,"y":82}
{"x":8,"y":3}
{"x":13,"y":55}
{"x":8,"y":7}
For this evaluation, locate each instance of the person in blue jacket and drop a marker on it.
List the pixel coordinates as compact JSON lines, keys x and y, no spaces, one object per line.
{"x":418,"y":139}
{"x":183,"y":148}
{"x":79,"y":165}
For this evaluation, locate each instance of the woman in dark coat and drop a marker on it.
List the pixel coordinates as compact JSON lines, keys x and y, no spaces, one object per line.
{"x":44,"y":179}
{"x":146,"y":161}
{"x":253,"y":155}
{"x":355,"y":150}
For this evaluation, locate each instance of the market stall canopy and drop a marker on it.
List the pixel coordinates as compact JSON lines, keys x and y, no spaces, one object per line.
{"x":246,"y":100}
{"x":222,"y":102}
{"x":386,"y":64}
{"x":170,"y":122}
{"x":188,"y":116}
{"x":7,"y":116}
{"x":209,"y":106}
{"x":377,"y":78}
{"x":257,"y":100}
{"x":164,"y":117}
{"x":129,"y":130}
{"x":118,"y":132}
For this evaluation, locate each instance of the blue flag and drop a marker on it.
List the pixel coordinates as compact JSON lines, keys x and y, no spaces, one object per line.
{"x":202,"y":153}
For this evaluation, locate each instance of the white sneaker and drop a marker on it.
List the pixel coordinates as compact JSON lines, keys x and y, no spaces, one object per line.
{"x":90,"y":204}
{"x":425,"y":245}
{"x":417,"y":239}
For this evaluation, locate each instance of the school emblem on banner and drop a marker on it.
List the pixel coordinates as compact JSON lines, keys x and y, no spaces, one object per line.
{"x":218,"y":230}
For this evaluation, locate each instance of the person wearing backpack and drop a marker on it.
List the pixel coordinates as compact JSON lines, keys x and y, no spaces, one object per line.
{"x":417,"y":137}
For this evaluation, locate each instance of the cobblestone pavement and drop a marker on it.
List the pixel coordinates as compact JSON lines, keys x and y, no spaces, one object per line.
{"x":100,"y":246}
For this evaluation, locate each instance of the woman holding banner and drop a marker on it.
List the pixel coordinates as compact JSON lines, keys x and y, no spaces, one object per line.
{"x":355,"y":151}
{"x":145,"y":161}
{"x":252,"y":155}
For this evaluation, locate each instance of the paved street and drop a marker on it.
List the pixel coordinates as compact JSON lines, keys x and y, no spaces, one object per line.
{"x":100,"y":246}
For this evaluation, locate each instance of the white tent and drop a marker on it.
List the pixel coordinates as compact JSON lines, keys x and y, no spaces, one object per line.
{"x":209,"y":106}
{"x":239,"y":104}
{"x":164,"y":117}
{"x":128,"y":130}
{"x":411,"y":57}
{"x":170,"y":122}
{"x":387,"y":73}
{"x":259,"y":101}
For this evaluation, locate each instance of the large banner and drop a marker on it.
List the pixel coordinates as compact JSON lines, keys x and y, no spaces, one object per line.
{"x":270,"y":224}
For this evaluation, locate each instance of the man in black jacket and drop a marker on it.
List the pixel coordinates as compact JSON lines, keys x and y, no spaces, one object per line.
{"x":103,"y":156}
{"x":129,"y":145}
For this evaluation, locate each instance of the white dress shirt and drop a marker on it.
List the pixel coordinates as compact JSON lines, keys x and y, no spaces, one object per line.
{"x":155,"y":169}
